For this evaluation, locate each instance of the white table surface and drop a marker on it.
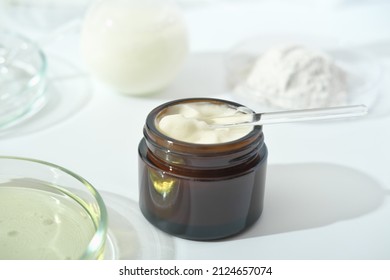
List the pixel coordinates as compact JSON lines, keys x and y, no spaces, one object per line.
{"x":328,"y":184}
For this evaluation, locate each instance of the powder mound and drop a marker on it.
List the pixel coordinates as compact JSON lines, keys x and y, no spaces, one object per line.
{"x":295,"y":77}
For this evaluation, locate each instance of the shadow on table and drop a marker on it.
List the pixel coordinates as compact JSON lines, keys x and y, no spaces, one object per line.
{"x":312,"y":195}
{"x":203,"y":75}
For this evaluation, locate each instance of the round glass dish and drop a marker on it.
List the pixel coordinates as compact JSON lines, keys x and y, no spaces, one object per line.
{"x":48,"y":212}
{"x":23,"y":69}
{"x":127,"y":226}
{"x":363,"y":73}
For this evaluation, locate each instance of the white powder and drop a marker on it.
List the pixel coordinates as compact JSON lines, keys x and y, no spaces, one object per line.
{"x":295,"y":77}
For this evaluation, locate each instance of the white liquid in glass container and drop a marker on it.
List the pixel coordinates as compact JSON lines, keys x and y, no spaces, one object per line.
{"x":136,"y":46}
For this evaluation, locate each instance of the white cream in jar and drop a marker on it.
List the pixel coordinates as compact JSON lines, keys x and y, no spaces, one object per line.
{"x":192,"y":122}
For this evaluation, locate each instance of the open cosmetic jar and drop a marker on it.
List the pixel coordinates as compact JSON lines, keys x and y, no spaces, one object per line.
{"x":200,"y":191}
{"x":48,"y":212}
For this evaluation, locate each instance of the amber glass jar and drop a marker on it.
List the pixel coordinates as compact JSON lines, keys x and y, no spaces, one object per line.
{"x":200,"y":191}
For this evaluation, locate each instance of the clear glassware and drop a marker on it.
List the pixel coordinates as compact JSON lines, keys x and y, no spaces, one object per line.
{"x":48,"y":212}
{"x":23,"y":71}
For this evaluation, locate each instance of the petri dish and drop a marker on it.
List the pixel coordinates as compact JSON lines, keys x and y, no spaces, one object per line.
{"x":48,"y":212}
{"x":363,"y":73}
{"x":68,"y":90}
{"x":130,"y":236}
{"x":23,"y":70}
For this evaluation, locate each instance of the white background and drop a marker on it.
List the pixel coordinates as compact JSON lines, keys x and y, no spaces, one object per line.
{"x":328,"y":184}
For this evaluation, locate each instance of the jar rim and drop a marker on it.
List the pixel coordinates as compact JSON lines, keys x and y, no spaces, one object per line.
{"x":151,"y":131}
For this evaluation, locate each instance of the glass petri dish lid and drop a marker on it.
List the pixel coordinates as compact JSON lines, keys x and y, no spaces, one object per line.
{"x":48,"y":212}
{"x":23,"y":73}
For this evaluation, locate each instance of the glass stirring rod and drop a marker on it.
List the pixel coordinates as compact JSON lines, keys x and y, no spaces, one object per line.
{"x":292,"y":116}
